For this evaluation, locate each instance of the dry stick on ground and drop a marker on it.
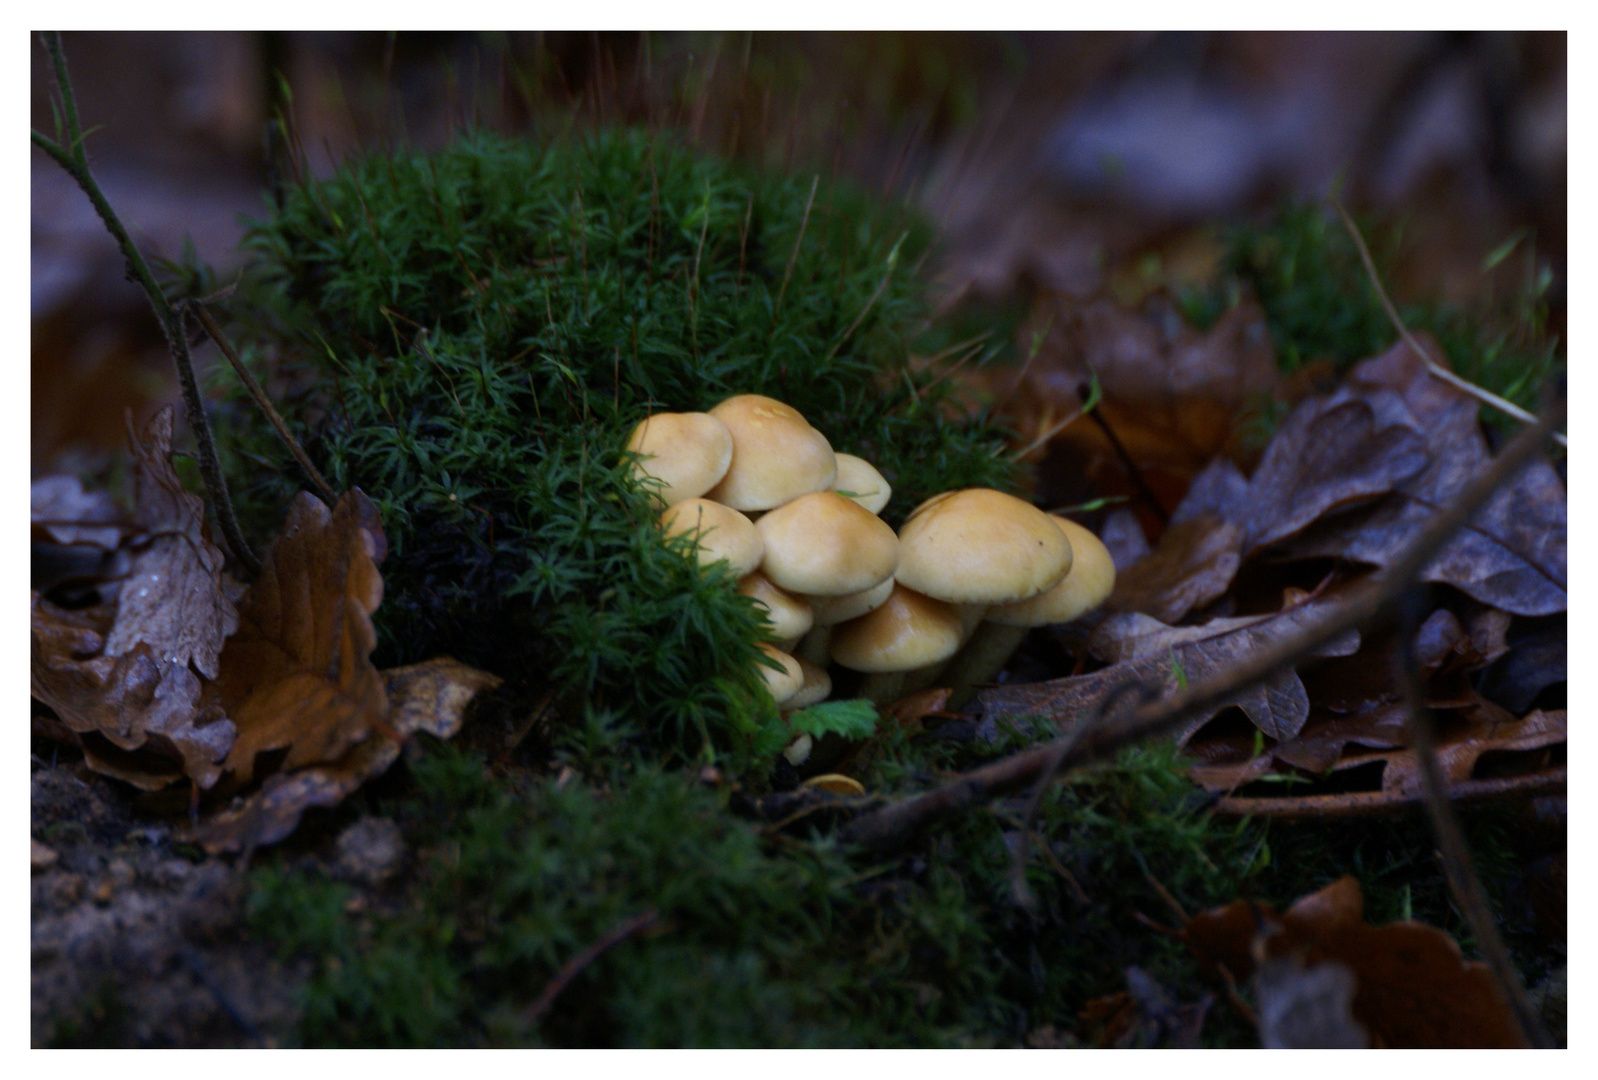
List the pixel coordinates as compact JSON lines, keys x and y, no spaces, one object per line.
{"x":1455,"y":852}
{"x":256,"y":392}
{"x":574,"y":967}
{"x":883,"y":829}
{"x":1487,"y":397}
{"x":75,"y":161}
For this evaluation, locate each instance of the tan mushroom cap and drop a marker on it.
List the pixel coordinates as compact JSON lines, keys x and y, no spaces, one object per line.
{"x":783,"y":684}
{"x":776,"y":455}
{"x":832,"y":610}
{"x":823,"y":544}
{"x":907,"y":632}
{"x":862,"y":482}
{"x":817,"y":686}
{"x":1085,"y":587}
{"x":688,"y":452}
{"x":980,"y":546}
{"x":790,"y":616}
{"x":722,"y":533}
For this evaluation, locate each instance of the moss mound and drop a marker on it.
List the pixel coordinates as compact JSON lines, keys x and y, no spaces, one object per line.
{"x":484,"y":326}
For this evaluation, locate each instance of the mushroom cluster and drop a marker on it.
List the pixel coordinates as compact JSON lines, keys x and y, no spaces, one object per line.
{"x":950,"y":596}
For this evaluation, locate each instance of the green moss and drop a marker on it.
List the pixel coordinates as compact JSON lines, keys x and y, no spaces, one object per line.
{"x":1304,"y":268}
{"x":479,"y":330}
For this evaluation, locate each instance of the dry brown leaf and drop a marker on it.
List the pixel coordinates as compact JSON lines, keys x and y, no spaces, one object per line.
{"x":1414,"y":988}
{"x":130,"y":671}
{"x":1145,"y":653}
{"x":1173,"y":395}
{"x":430,"y":697}
{"x":1192,"y":565}
{"x":1330,"y":452}
{"x":1511,"y":556}
{"x":298,"y":676}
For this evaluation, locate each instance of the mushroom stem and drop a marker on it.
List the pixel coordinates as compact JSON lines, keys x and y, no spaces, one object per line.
{"x":814,"y":646}
{"x":982,"y":658}
{"x":882,"y":688}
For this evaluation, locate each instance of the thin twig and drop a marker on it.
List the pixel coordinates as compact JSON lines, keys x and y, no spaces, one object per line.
{"x":323,"y":488}
{"x":74,"y":160}
{"x":1486,"y":397}
{"x":1458,"y":866}
{"x":574,"y":967}
{"x":888,"y":826}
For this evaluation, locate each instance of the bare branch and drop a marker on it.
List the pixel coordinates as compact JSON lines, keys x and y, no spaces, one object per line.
{"x":323,"y":489}
{"x":74,"y":160}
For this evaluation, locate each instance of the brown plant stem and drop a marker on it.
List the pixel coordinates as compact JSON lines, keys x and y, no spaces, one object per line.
{"x":323,"y":489}
{"x":884,"y":828}
{"x":73,"y":159}
{"x":574,"y":967}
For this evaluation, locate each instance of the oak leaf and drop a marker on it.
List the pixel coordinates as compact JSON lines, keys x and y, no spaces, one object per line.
{"x":1512,"y":555}
{"x":298,"y":675}
{"x":430,"y":697}
{"x":129,"y":670}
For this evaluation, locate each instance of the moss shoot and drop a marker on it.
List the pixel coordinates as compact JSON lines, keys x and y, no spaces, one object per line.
{"x":481,"y":328}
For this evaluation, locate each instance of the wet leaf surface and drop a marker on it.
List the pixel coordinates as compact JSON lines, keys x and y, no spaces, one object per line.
{"x":130,"y":670}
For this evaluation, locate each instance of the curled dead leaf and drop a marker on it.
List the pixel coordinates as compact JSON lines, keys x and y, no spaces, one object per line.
{"x":429,"y":697}
{"x":130,"y":671}
{"x":1511,"y":556}
{"x":298,"y":675}
{"x":1413,"y":986}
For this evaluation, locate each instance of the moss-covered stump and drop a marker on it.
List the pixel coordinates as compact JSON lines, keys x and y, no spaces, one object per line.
{"x":481,"y":328}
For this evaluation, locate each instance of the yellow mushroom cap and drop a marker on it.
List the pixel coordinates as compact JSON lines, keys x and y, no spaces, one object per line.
{"x":1085,"y":587}
{"x":823,"y":544}
{"x":817,"y":686}
{"x":864,"y":484}
{"x":790,"y":616}
{"x":832,"y":610}
{"x":783,"y":684}
{"x":776,"y":455}
{"x":688,"y":452}
{"x":907,"y":632}
{"x":719,"y":532}
{"x":980,"y":546}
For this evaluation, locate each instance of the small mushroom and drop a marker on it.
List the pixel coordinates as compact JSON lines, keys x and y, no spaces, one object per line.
{"x":783,"y":684}
{"x":823,"y":544}
{"x":718,"y":532}
{"x":776,"y":455}
{"x":908,"y":632}
{"x":688,"y":453}
{"x":790,"y":616}
{"x":832,"y":610}
{"x":816,"y":689}
{"x":859,"y":480}
{"x":980,"y":546}
{"x":1089,"y":583}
